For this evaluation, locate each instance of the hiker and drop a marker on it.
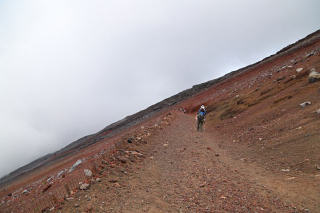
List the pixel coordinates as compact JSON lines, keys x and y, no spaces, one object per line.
{"x":201,"y":117}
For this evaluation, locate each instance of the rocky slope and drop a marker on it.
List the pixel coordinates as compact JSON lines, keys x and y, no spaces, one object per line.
{"x":254,"y":110}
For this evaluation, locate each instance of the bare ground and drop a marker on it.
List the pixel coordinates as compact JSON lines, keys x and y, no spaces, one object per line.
{"x":186,"y":171}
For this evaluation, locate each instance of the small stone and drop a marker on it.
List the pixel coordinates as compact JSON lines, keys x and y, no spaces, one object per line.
{"x":25,"y":192}
{"x":313,"y":76}
{"x":165,"y":145}
{"x":76,"y":205}
{"x":217,"y":154}
{"x":304,"y":104}
{"x":98,"y":179}
{"x":134,"y":153}
{"x":87,"y":172}
{"x":318,"y":167}
{"x":122,"y":159}
{"x":50,"y":179}
{"x":285,"y":170}
{"x":299,"y":69}
{"x":84,"y":186}
{"x":75,"y":165}
{"x":291,"y":178}
{"x":46,"y":187}
{"x":318,"y":111}
{"x":281,"y":78}
{"x":113,"y":180}
{"x":60,"y":174}
{"x":130,"y":140}
{"x":310,"y":54}
{"x":117,"y":185}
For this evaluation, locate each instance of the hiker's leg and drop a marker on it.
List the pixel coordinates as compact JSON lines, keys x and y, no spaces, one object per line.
{"x":198,"y":124}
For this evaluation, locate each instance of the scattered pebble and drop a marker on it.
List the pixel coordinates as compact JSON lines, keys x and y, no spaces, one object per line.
{"x":84,"y":186}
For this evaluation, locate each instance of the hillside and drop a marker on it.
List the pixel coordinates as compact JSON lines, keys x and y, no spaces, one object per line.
{"x":259,"y":150}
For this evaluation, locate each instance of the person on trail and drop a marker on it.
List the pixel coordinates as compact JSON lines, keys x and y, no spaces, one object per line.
{"x":201,"y":115}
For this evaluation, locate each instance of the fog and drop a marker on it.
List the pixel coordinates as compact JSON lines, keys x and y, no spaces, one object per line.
{"x":68,"y":68}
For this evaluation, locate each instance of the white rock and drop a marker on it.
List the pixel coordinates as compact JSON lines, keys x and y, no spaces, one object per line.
{"x":75,"y":165}
{"x":134,"y":153}
{"x":50,"y":179}
{"x":87,"y":172}
{"x":318,"y":111}
{"x":304,"y":104}
{"x":314,"y":76}
{"x":299,"y":69}
{"x":25,"y":191}
{"x":60,"y":173}
{"x":84,"y":186}
{"x":291,"y":178}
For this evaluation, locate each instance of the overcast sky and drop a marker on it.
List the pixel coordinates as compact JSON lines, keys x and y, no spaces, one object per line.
{"x":68,"y":68}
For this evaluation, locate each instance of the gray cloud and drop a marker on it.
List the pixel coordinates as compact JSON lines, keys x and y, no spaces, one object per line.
{"x":69,"y":68}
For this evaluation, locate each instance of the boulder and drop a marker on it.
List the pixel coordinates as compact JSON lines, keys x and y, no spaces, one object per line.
{"x":313,"y":76}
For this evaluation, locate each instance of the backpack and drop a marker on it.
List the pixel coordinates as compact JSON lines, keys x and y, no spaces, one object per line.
{"x":201,"y":115}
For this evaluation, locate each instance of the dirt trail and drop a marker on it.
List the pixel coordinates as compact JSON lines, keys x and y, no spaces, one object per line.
{"x":183,"y":171}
